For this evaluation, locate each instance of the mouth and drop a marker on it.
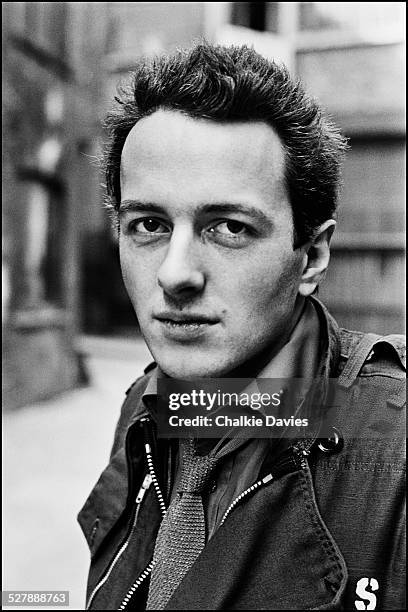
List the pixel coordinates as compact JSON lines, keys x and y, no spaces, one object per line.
{"x":182,"y":319}
{"x":185,"y":323}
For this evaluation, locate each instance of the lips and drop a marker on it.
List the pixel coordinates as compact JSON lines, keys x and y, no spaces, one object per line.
{"x":185,"y":319}
{"x":185,"y":327}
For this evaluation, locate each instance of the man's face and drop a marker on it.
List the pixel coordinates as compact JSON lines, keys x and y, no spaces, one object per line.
{"x":206,"y":237}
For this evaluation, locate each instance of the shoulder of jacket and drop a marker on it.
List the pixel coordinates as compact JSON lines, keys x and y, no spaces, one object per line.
{"x":388,"y":352}
{"x":370,"y":357}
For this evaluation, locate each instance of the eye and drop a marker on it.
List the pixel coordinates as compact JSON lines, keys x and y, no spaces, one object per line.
{"x":232,"y":234}
{"x":230,"y":228}
{"x":147,"y":226}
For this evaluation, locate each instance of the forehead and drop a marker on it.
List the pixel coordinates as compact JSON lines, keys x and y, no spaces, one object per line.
{"x":201,"y":159}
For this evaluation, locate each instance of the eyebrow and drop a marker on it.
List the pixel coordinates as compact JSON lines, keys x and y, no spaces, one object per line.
{"x":136,"y":206}
{"x":218,"y":208}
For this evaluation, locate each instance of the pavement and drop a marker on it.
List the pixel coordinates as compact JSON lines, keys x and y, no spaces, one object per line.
{"x":53,"y":454}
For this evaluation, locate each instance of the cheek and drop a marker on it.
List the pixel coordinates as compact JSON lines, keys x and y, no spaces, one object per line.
{"x":271,"y":283}
{"x":126,"y":267}
{"x":134,"y":273}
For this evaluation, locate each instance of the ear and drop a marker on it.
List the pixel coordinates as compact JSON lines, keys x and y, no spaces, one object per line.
{"x":316,"y":258}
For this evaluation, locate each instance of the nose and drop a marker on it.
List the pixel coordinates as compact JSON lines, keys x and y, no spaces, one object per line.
{"x":180,"y":275}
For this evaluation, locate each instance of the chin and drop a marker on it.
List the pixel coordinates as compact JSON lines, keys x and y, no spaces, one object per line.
{"x":189,"y":367}
{"x":188,"y":372}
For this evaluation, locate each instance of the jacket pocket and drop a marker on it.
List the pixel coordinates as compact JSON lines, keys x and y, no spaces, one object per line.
{"x":336,"y":577}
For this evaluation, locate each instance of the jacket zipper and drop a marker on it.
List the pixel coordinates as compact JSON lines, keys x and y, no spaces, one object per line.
{"x":153,"y":476}
{"x":163,"y":510}
{"x":136,"y":585}
{"x":142,"y":491}
{"x":296,"y":457}
{"x":247,"y":491}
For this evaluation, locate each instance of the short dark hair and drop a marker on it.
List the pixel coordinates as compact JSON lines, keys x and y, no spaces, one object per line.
{"x":235,"y":83}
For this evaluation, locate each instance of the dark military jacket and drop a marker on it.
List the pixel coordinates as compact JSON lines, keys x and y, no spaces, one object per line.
{"x":326,"y":532}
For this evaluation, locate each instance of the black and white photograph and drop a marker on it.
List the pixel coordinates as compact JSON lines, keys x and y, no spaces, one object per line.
{"x":203,"y":306}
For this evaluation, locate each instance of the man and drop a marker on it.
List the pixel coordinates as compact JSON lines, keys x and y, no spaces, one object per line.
{"x":223,"y":177}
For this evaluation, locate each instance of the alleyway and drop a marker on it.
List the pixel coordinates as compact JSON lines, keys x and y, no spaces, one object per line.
{"x":53,"y":455}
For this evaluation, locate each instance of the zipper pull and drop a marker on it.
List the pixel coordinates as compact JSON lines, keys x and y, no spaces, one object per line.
{"x":145,"y":485}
